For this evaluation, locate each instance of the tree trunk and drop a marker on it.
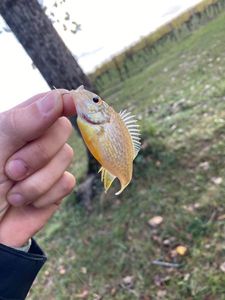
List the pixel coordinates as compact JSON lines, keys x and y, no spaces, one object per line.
{"x":45,"y":47}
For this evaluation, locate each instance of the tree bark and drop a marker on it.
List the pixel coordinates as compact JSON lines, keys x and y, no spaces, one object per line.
{"x":45,"y":47}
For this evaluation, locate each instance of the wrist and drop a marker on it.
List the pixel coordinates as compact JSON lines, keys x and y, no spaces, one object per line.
{"x":13,"y":240}
{"x":25,"y":247}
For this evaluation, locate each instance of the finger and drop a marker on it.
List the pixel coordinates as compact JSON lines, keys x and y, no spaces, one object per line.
{"x":68,"y":103}
{"x":38,"y":153}
{"x":39,"y":183}
{"x":23,"y":124}
{"x":59,"y":190}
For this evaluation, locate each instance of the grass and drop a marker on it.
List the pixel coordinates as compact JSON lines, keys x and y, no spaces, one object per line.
{"x":179,"y":175}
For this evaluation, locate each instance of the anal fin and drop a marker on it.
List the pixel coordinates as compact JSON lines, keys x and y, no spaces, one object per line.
{"x":107,"y":178}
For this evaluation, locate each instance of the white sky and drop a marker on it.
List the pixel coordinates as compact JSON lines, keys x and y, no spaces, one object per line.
{"x":107,"y":28}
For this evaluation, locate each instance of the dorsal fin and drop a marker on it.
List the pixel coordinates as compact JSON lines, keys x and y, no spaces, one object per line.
{"x":133,"y":128}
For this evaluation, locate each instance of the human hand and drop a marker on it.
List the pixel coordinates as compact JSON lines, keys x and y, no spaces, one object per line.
{"x":33,"y":159}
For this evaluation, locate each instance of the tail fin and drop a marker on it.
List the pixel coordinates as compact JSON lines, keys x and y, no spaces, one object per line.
{"x":123,"y":186}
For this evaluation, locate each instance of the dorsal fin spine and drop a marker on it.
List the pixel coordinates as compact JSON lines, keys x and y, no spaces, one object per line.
{"x":133,"y":128}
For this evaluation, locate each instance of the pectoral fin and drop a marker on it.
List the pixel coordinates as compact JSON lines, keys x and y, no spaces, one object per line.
{"x":106,"y":177}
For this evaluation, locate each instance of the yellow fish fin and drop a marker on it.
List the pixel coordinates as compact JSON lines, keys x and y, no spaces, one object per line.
{"x":122,"y":188}
{"x":106,"y":177}
{"x":133,"y":128}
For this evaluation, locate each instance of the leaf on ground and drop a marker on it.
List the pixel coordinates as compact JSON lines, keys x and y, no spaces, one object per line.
{"x":155,"y":221}
{"x":161,"y":294}
{"x":84,"y":270}
{"x":62,"y":270}
{"x":222,"y":267}
{"x":221,"y":217}
{"x":191,"y":207}
{"x":128,"y":281}
{"x":83,"y":295}
{"x":204,"y":165}
{"x":181,"y":250}
{"x":217,"y":180}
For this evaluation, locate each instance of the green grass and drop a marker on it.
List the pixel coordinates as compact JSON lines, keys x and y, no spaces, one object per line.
{"x":179,"y":175}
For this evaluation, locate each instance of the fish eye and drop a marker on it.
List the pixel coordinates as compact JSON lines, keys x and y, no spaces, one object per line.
{"x":95,"y":99}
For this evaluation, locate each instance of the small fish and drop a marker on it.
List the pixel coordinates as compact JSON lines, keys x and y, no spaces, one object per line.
{"x":112,"y":138}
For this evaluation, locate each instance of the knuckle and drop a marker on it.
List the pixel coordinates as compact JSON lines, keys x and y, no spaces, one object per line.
{"x":39,"y":150}
{"x":31,"y":191}
{"x":12,"y":125}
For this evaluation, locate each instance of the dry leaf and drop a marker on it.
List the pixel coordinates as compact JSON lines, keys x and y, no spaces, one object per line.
{"x":169,"y":241}
{"x":128,"y":280}
{"x":84,"y":270}
{"x":181,"y":250}
{"x":187,"y":276}
{"x":82,"y":295}
{"x":204,"y":165}
{"x":192,"y":207}
{"x":113,"y":291}
{"x":158,"y":163}
{"x":222,"y":267}
{"x":161,"y":294}
{"x":62,"y":270}
{"x":97,"y":297}
{"x":221,"y":218}
{"x":217,"y":180}
{"x":155,"y":221}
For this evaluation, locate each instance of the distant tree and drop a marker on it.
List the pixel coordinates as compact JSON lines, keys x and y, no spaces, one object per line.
{"x":35,"y":32}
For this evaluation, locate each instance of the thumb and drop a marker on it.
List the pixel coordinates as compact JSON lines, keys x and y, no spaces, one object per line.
{"x":20,"y":125}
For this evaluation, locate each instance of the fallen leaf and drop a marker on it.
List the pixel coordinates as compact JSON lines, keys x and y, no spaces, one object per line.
{"x":97,"y":297}
{"x":181,"y":250}
{"x":187,"y":276}
{"x":82,"y":295}
{"x":84,"y":270}
{"x":169,"y":241}
{"x":217,"y":180}
{"x":113,"y":291}
{"x":204,"y":165}
{"x":191,"y":207}
{"x":128,"y":280}
{"x":62,"y":270}
{"x":158,"y":163}
{"x":222,"y":267}
{"x":221,"y":218}
{"x":161,"y":294}
{"x":166,"y":242}
{"x":155,"y":221}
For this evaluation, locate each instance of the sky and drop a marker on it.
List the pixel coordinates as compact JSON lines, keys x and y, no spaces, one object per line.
{"x":107,"y":27}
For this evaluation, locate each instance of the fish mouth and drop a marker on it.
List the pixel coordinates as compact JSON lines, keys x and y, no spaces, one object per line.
{"x":85,"y":117}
